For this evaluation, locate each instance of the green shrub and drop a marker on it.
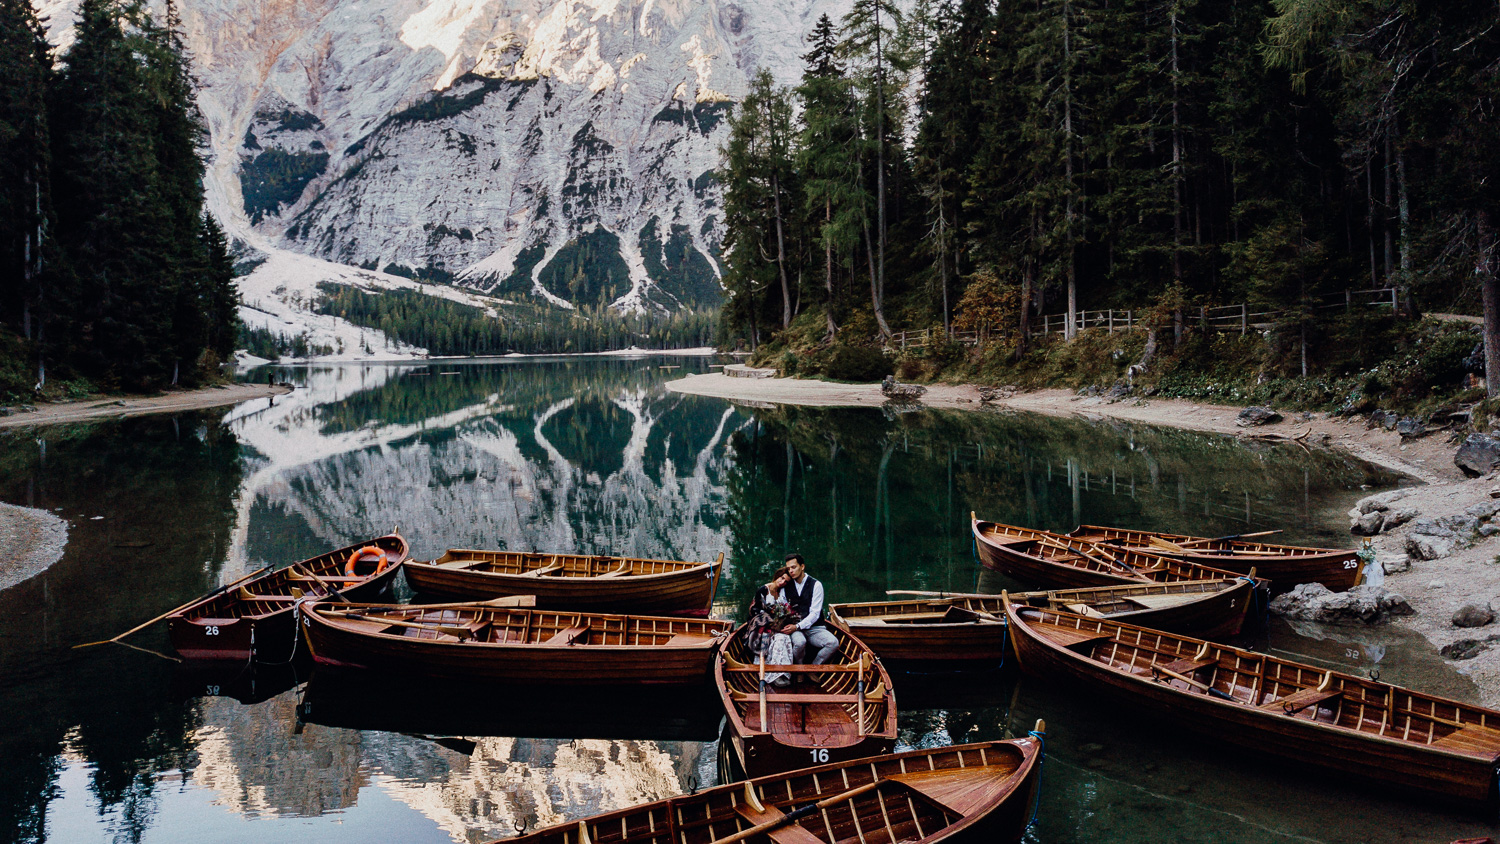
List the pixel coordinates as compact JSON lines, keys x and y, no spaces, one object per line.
{"x":857,"y":363}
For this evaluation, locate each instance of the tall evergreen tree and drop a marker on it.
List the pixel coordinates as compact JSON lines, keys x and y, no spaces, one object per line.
{"x":869,"y":33}
{"x":25,"y":178}
{"x":110,"y":207}
{"x":827,"y":156}
{"x":758,"y":197}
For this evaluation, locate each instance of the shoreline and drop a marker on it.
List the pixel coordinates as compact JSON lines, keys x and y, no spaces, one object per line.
{"x":1435,"y":588}
{"x":83,"y":410}
{"x":34,"y":540}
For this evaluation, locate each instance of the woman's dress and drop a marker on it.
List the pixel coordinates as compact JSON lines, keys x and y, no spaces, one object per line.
{"x":764,"y":636}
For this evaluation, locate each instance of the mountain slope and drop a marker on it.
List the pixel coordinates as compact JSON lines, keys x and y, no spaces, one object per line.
{"x":558,"y":151}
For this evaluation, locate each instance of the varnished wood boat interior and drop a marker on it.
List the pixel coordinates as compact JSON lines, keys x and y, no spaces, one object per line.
{"x":1142,"y":540}
{"x":950,"y":610}
{"x":1276,"y":686}
{"x":1116,"y":600}
{"x":1124,"y":562}
{"x":823,"y":711}
{"x":887,"y":800}
{"x":520,"y":626}
{"x":1101,"y":601}
{"x":281,"y":589}
{"x":532,"y":564}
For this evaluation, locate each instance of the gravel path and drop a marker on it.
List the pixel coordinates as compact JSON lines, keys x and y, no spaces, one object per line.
{"x":78,"y":411}
{"x":30,"y":541}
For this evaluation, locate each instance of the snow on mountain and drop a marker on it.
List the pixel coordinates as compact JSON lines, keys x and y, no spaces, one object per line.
{"x":552,"y":150}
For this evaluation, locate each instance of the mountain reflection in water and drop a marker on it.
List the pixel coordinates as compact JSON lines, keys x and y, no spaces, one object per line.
{"x":594,"y":456}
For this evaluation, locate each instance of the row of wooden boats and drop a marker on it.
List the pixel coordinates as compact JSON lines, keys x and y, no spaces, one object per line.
{"x":1141,"y":626}
{"x":1104,"y":556}
{"x":254,"y":617}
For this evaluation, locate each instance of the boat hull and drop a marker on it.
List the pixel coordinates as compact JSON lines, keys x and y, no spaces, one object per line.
{"x":1385,"y":763}
{"x":971,"y":794}
{"x":685,"y":592}
{"x":218,"y":627}
{"x":799,"y":734}
{"x":337,"y":646}
{"x":1337,"y":569}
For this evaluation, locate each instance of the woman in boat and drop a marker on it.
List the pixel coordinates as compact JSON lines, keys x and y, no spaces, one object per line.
{"x":769,"y":615}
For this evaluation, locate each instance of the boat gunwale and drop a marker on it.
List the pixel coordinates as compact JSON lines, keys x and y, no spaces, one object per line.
{"x":889,"y":726}
{"x":1177,"y":564}
{"x":186,"y":613}
{"x":311,"y":609}
{"x":687,"y":567}
{"x":1027,"y":750}
{"x":1269,"y":716}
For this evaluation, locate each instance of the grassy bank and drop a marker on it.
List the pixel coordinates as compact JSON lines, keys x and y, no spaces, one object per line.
{"x":1358,"y":363}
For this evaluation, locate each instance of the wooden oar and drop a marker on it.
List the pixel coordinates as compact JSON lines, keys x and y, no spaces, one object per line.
{"x":798,"y":813}
{"x":1230,"y":537}
{"x":437,"y":626}
{"x":1104,"y":557}
{"x":1213,"y":692}
{"x":330,"y":590}
{"x":921,"y":594}
{"x":141,"y":627}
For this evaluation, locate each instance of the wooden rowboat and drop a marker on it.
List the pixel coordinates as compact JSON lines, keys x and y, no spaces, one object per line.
{"x":256,"y":618}
{"x":838,"y":711}
{"x":969,"y":630}
{"x":1375,"y":731}
{"x":1058,"y":561}
{"x":570,"y":581}
{"x":965,"y":794}
{"x":511,"y":643}
{"x":1284,"y":565}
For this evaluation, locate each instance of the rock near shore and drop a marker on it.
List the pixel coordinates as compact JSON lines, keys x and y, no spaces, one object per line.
{"x":1366,"y":604}
{"x":1479,"y":455}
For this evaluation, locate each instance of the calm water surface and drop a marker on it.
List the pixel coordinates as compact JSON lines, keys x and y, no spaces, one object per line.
{"x":115,"y":744}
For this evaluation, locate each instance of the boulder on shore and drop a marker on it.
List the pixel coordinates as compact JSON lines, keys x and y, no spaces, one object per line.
{"x":1473,"y":614}
{"x":1252,"y":416}
{"x":1479,"y":455}
{"x":1366,"y":604}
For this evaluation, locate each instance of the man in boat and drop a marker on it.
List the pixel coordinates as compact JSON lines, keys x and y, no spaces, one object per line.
{"x":805,"y":595}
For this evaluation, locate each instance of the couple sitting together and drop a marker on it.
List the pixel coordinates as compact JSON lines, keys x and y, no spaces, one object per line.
{"x":786,"y":617}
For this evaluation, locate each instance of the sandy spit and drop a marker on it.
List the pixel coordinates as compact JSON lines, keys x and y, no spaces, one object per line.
{"x":79,"y":411}
{"x":30,"y":541}
{"x":1435,"y":588}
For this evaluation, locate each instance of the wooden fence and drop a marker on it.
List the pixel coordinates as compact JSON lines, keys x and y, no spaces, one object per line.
{"x":1241,"y":318}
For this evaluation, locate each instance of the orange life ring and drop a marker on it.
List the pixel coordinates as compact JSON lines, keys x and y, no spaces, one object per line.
{"x":358,"y":555}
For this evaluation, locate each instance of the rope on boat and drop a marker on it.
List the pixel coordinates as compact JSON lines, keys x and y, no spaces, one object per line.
{"x":1036,"y":802}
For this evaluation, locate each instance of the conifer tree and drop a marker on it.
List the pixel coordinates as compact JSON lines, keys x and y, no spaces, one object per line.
{"x":25,"y":177}
{"x":834,"y":195}
{"x":869,"y":30}
{"x":110,"y":207}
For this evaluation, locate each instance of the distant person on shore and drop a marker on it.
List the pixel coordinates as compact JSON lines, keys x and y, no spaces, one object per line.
{"x":770,"y":615}
{"x":805,"y":595}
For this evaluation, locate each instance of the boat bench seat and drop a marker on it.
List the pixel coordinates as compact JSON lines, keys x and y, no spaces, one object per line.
{"x":786,"y":834}
{"x":1070,"y":637}
{"x":1471,"y":738}
{"x":796,"y":698}
{"x":245,"y":595}
{"x":211,"y":622}
{"x":689,"y":639}
{"x":1298,"y":701}
{"x":1188,"y":666}
{"x":619,"y":572}
{"x":568,"y":636}
{"x":545,"y":570}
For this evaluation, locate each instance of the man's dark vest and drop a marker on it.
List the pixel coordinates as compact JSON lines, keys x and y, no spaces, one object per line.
{"x":801,"y":600}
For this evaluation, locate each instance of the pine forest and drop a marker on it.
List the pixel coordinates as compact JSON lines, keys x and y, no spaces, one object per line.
{"x":113,"y":274}
{"x":978,"y":165}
